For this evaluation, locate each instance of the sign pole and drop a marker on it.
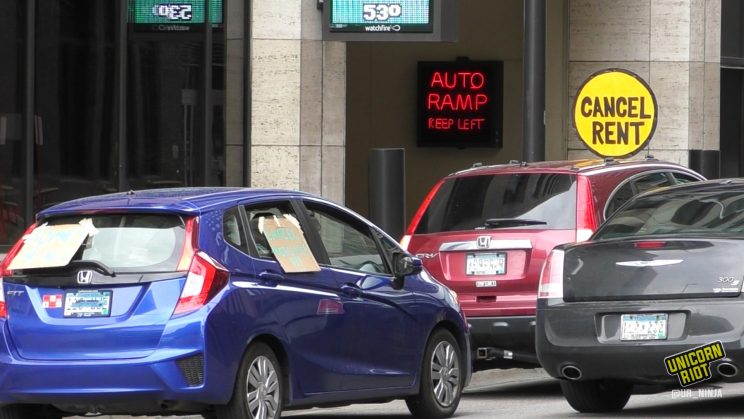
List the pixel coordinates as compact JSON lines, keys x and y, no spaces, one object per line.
{"x":533,"y":74}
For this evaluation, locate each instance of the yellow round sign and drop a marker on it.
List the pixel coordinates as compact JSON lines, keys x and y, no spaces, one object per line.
{"x":615,"y":113}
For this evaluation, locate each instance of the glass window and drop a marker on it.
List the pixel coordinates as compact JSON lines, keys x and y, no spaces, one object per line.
{"x":75,"y":105}
{"x":466,"y":203}
{"x":681,"y":212}
{"x":348,"y":245}
{"x":259,"y":215}
{"x":680,"y":178}
{"x":651,"y":181}
{"x":132,"y":242}
{"x":621,"y":196}
{"x":12,"y":79}
{"x":75,"y":145}
{"x":165,"y":113}
{"x":232,"y":229}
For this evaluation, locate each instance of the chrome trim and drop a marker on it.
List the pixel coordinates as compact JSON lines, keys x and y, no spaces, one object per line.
{"x":649,"y":263}
{"x":253,"y":285}
{"x":494,"y":245}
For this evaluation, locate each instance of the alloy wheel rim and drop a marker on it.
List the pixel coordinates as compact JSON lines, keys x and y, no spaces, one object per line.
{"x":262,"y":389}
{"x":445,"y":374}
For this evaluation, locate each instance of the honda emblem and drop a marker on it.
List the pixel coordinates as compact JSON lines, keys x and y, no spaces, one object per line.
{"x":84,"y":277}
{"x":484,"y":242}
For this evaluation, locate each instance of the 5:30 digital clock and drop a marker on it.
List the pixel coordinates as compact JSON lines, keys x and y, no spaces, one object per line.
{"x":392,"y":16}
{"x":173,"y":12}
{"x":173,"y":15}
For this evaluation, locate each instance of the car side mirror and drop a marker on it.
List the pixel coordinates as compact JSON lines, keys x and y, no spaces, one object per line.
{"x":404,"y":264}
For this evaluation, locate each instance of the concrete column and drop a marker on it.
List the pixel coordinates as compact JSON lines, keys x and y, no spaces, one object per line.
{"x":298,"y":103}
{"x":672,"y":44}
{"x":235,"y":32}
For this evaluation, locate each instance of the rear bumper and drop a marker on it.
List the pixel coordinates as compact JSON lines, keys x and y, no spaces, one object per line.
{"x":99,"y":383}
{"x":171,"y":375}
{"x":587,"y":336}
{"x":516,"y":333}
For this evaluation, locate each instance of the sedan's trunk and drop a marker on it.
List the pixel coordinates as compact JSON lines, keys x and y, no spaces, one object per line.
{"x":664,"y":268}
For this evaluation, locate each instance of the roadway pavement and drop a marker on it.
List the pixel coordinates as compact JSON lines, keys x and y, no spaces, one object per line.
{"x":531,"y":393}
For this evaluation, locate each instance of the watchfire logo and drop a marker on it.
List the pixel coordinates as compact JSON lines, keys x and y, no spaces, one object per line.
{"x":693,"y":366}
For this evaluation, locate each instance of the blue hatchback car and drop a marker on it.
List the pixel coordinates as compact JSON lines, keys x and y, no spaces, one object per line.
{"x":229,"y":302}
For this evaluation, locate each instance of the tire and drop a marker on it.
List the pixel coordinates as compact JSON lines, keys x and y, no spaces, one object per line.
{"x":25,"y":411}
{"x":596,"y":396}
{"x":441,"y":378}
{"x":258,"y":389}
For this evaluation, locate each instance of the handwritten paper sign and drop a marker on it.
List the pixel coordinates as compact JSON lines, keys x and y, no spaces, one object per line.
{"x":289,"y":246}
{"x":50,"y":246}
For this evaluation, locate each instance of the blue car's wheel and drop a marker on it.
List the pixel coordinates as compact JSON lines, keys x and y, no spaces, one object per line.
{"x":441,"y":378}
{"x":259,"y":388}
{"x":20,"y":411}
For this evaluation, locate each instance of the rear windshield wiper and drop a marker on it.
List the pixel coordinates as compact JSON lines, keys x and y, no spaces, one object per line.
{"x":96,"y":265}
{"x":510,"y":222}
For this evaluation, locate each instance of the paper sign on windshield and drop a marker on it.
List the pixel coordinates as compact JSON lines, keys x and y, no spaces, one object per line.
{"x":289,"y":246}
{"x":50,"y":246}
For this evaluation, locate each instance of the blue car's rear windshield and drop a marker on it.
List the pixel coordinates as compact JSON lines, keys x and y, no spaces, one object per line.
{"x":131,"y":242}
{"x":466,"y":203}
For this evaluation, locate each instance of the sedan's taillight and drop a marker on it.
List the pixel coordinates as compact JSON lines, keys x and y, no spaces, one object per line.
{"x":4,"y":271}
{"x":551,"y":277}
{"x":205,"y":279}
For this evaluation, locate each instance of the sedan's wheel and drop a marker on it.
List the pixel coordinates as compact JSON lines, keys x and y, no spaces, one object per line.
{"x":441,"y":378}
{"x":596,"y":396}
{"x":258,"y":390}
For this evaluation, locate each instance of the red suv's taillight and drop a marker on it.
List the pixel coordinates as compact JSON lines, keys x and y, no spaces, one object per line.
{"x":551,"y":277}
{"x":4,"y":268}
{"x":586,"y":222}
{"x":205,"y":279}
{"x":406,"y":239}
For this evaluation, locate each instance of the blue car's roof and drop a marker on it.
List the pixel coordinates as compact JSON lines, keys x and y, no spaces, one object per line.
{"x":179,"y":200}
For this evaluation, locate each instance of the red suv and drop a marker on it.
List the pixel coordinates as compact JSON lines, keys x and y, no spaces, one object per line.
{"x":485,"y":232}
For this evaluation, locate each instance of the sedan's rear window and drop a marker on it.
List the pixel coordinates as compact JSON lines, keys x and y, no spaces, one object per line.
{"x":544,"y":201}
{"x":681,"y":212}
{"x":131,"y":242}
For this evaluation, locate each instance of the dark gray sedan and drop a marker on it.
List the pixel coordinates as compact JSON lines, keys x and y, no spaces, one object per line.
{"x":652,"y":301}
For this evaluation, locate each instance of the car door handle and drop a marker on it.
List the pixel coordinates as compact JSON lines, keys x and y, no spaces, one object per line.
{"x":269,"y":276}
{"x":351,"y":290}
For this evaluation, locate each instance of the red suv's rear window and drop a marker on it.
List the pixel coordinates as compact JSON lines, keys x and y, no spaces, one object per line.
{"x":544,"y":201}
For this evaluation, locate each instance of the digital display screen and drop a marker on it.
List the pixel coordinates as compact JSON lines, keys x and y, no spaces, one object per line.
{"x":392,"y":16}
{"x":460,"y":104}
{"x":173,"y":15}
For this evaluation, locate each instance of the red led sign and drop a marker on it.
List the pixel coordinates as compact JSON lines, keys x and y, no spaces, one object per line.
{"x":460,"y":103}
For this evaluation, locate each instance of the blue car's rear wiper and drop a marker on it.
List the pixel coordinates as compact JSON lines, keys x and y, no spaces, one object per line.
{"x":96,"y":265}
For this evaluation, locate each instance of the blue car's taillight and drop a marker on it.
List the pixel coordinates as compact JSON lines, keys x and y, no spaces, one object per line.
{"x":4,"y":268}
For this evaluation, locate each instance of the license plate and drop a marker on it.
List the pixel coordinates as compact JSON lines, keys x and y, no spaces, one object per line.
{"x":485,"y":264}
{"x":88,"y":303}
{"x":643,"y":326}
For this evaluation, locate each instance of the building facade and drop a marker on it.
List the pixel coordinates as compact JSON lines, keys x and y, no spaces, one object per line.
{"x":91,"y":101}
